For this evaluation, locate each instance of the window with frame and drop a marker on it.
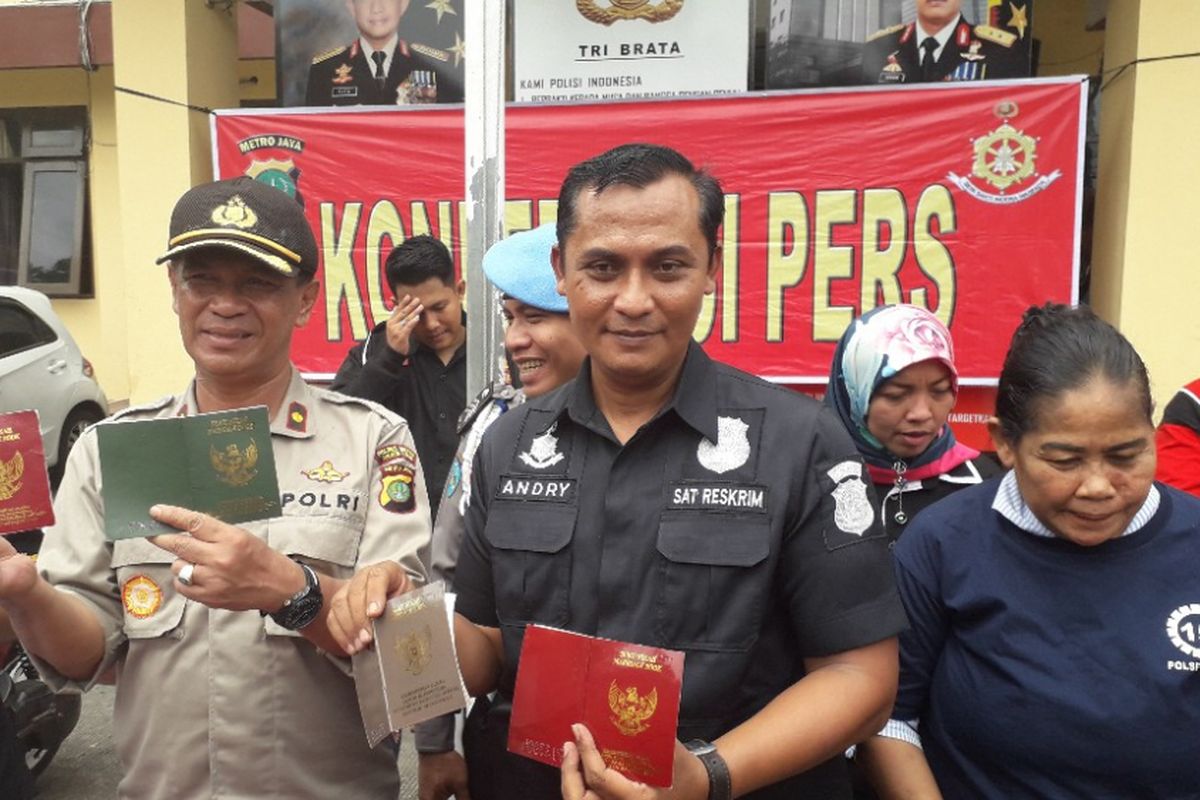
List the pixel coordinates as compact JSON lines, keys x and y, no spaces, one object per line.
{"x":44,"y":241}
{"x":20,"y":329}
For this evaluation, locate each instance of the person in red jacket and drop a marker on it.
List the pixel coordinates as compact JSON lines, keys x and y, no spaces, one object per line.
{"x":1178,"y":440}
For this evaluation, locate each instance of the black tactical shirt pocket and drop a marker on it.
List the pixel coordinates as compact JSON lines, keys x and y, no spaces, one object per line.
{"x":531,"y":561}
{"x":712,"y":580}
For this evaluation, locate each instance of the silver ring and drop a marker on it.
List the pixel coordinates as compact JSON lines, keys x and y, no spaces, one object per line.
{"x":185,"y":574}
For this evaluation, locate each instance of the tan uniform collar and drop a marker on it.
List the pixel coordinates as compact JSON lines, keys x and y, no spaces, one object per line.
{"x":293,"y":419}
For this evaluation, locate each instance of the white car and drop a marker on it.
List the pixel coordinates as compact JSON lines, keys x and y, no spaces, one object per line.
{"x":41,"y":368}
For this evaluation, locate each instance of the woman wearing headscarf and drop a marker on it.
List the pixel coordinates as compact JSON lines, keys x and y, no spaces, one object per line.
{"x":893,"y":384}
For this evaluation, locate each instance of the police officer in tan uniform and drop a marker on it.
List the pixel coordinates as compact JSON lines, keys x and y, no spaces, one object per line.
{"x":229,"y":683}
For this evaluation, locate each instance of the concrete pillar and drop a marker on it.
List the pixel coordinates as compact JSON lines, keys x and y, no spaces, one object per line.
{"x":1146,"y":265}
{"x":169,"y":56}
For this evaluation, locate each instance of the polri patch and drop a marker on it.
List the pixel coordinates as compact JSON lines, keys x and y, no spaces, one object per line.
{"x":553,"y":490}
{"x":395,"y":452}
{"x":397,"y":488}
{"x":717,"y":496}
{"x":141,"y":596}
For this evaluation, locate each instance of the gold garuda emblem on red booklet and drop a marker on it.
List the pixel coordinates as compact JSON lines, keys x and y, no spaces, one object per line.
{"x":631,"y":711}
{"x":628,"y":9}
{"x":10,"y":476}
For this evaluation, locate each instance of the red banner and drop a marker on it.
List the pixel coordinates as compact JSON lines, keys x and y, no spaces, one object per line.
{"x":962,"y":198}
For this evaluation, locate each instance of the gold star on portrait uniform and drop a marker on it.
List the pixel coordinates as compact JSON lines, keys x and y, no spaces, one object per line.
{"x":1019,"y":20}
{"x":459,"y":49}
{"x":441,"y":7}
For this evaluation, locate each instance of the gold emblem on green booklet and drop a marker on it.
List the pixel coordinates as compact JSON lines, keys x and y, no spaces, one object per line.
{"x":234,"y":466}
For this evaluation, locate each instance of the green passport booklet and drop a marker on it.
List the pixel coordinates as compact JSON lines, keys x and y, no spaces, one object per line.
{"x":219,"y":463}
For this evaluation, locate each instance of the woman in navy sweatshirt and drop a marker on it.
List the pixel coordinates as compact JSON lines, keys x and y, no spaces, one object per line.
{"x":1055,"y":642}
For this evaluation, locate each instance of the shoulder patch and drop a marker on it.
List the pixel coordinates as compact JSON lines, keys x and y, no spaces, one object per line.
{"x":431,"y":52}
{"x":995,"y":35}
{"x":491,"y":392}
{"x":327,"y":54}
{"x":153,"y":405}
{"x":885,"y":32}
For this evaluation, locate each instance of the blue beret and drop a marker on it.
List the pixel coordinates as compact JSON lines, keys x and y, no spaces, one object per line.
{"x":519,"y":266}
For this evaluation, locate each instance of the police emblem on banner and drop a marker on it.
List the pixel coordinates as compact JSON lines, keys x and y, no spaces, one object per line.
{"x":1003,"y":159}
{"x":277,"y":169}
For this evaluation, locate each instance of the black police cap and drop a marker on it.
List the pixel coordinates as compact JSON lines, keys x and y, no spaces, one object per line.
{"x":248,"y":216}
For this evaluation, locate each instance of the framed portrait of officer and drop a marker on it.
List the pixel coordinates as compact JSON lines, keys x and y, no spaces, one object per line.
{"x":952,"y":40}
{"x":369,"y":52}
{"x":813,"y":43}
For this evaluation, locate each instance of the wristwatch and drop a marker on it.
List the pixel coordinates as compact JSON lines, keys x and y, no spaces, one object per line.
{"x":720,"y":786}
{"x":301,"y":608}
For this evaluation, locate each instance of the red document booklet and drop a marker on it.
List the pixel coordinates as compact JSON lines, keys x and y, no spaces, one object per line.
{"x":24,"y":486}
{"x":626,"y":694}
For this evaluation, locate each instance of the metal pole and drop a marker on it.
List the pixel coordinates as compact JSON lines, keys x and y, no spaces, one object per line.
{"x":484,"y":31}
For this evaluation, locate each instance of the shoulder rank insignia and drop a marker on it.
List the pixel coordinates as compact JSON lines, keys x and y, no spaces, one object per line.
{"x":885,"y":32}
{"x":431,"y":52}
{"x":297,"y":418}
{"x":327,"y":54}
{"x":493,"y":391}
{"x":995,"y":35}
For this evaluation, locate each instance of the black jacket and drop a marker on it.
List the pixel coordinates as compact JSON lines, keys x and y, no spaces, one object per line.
{"x":430,"y":395}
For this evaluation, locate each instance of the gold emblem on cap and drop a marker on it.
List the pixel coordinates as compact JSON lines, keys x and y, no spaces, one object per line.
{"x":235,"y":213}
{"x":631,"y":711}
{"x":10,"y":476}
{"x":141,"y":596}
{"x":629,"y":9}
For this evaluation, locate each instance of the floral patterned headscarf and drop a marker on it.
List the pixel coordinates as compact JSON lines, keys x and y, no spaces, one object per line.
{"x":874,"y":349}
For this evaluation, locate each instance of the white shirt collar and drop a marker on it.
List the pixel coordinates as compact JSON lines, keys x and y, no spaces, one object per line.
{"x":388,"y":51}
{"x":941,"y":37}
{"x":1009,"y":504}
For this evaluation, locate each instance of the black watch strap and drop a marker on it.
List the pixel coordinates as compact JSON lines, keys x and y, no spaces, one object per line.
{"x":720,"y":785}
{"x":301,"y":608}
